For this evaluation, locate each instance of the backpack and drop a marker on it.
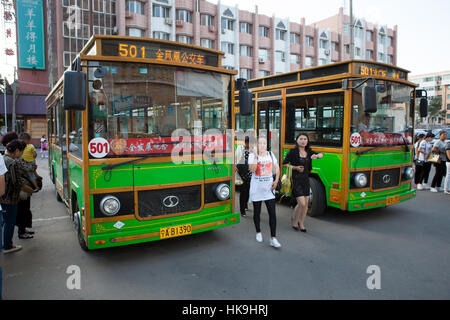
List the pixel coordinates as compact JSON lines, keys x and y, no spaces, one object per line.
{"x":243,"y":169}
{"x":10,"y":183}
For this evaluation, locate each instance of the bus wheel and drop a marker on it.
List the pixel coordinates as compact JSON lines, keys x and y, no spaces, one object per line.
{"x":317,"y":199}
{"x":58,"y":197}
{"x":77,"y":221}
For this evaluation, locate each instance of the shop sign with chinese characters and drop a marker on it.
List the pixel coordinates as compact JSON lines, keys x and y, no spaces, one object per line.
{"x":30,"y":34}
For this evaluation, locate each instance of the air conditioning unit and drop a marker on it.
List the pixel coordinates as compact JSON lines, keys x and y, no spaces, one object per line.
{"x":115,"y":31}
{"x":327,"y":52}
{"x":223,"y":30}
{"x":261,"y":60}
{"x":212,"y":28}
{"x":169,"y":21}
{"x":179,"y":23}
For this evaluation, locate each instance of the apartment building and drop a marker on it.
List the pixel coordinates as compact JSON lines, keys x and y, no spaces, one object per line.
{"x":437,"y":85}
{"x":255,"y":44}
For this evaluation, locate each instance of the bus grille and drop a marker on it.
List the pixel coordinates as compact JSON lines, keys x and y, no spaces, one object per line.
{"x":383,"y":179}
{"x":155,"y":203}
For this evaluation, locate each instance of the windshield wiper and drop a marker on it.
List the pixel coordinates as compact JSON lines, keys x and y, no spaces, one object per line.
{"x":114,"y":165}
{"x":358,"y":153}
{"x":406,"y":144}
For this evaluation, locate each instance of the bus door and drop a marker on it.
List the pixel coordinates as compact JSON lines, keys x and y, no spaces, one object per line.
{"x":269,"y":121}
{"x":63,"y":144}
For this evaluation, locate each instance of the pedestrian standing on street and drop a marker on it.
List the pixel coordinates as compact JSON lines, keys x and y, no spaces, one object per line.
{"x":263,"y":183}
{"x":30,"y":155}
{"x":15,"y":181}
{"x":3,"y":170}
{"x":423,"y":167}
{"x":419,"y":164}
{"x":441,"y":168}
{"x":300,"y":158}
{"x":427,"y":165}
{"x":447,"y":176}
{"x":246,"y":175}
{"x":44,"y":147}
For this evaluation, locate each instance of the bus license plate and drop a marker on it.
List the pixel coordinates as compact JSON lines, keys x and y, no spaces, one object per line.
{"x":175,"y":231}
{"x":392,"y":200}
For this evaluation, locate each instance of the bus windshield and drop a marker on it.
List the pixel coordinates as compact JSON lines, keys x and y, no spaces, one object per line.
{"x":139,"y":105}
{"x":390,"y":125}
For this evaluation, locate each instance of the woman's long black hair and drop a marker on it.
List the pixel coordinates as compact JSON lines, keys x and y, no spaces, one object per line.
{"x":307,"y":147}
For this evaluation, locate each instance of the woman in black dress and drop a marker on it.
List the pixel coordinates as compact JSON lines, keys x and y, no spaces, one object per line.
{"x":300,"y":158}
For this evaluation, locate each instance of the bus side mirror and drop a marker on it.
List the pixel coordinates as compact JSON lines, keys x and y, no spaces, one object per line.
{"x":424,"y":107}
{"x":369,"y":96}
{"x":74,"y":90}
{"x":245,"y":97}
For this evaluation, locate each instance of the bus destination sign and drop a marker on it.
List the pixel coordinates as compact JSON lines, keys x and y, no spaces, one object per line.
{"x":373,"y":70}
{"x":163,"y":52}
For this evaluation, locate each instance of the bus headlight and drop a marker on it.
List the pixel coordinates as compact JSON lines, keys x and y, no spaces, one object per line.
{"x":223,"y":191}
{"x":408,"y":173}
{"x":360,"y":180}
{"x":110,"y":206}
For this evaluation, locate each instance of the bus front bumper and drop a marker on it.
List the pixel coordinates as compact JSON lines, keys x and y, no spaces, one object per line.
{"x":382,"y":200}
{"x":140,"y":235}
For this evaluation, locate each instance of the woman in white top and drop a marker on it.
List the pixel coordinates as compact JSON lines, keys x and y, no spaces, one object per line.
{"x":423,"y":167}
{"x":419,"y":165}
{"x":263,"y":165}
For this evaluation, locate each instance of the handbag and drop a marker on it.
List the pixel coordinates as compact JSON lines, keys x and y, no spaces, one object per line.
{"x":244,"y":170}
{"x":286,"y":181}
{"x":434,"y":158}
{"x":238,"y":180}
{"x":278,"y":188}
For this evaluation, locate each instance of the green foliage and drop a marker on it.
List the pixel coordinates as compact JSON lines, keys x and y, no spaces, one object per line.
{"x":435,"y":106}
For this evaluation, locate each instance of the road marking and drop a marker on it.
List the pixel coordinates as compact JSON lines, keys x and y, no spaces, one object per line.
{"x":49,"y":219}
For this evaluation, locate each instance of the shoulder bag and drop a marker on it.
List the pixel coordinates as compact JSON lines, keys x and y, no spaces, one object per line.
{"x":434,"y":158}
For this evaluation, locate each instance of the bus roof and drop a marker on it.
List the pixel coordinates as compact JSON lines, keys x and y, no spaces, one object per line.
{"x":345,"y":69}
{"x":135,"y":49}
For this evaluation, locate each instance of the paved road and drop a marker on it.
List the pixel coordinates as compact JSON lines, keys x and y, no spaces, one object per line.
{"x":409,"y":242}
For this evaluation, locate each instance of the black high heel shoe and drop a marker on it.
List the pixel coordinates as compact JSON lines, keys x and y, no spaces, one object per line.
{"x":302,"y":230}
{"x":295,"y":228}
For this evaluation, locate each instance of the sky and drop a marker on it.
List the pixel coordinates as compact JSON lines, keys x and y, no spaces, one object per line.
{"x":423,"y":26}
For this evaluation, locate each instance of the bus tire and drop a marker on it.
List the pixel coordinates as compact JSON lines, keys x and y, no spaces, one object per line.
{"x":58,"y":197}
{"x":77,"y":221}
{"x":318,"y":202}
{"x":52,"y":175}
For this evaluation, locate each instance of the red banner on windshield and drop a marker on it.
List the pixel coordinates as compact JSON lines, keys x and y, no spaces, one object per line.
{"x":370,"y":139}
{"x":178,"y":145}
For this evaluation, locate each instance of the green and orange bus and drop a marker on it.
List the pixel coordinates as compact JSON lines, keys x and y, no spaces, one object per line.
{"x":359,"y":114}
{"x":111,"y":124}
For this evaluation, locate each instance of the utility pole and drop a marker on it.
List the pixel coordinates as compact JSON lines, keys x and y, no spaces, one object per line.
{"x":352,"y":34}
{"x":4,"y":94}
{"x":14,"y":96}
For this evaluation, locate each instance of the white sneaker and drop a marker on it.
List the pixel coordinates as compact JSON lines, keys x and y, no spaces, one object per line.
{"x":447,"y":192}
{"x":259,"y":237}
{"x":433,"y":190}
{"x":419,"y":187}
{"x":274,"y":243}
{"x":13,"y":249}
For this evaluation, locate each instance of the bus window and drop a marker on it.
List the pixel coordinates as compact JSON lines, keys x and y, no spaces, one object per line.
{"x":391,"y":124}
{"x":142,"y":101}
{"x":321,"y":117}
{"x":60,"y":124}
{"x":76,"y":134}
